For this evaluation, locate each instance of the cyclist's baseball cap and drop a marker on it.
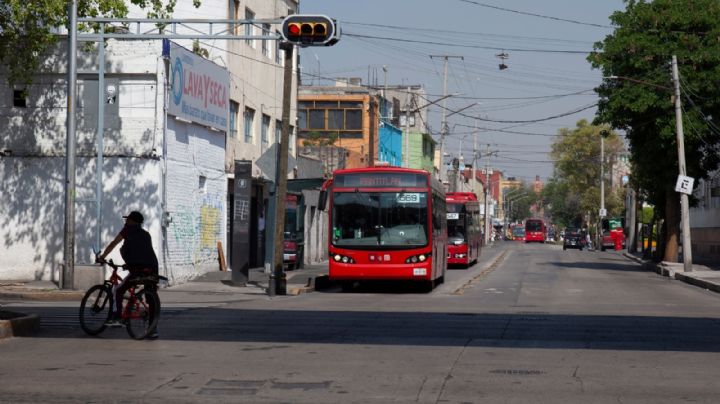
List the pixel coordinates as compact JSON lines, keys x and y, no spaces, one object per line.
{"x":135,"y":216}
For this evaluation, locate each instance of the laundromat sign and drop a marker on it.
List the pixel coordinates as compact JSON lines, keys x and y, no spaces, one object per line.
{"x":199,"y":88}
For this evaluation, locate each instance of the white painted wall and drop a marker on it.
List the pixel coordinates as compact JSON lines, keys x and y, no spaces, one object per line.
{"x":32,"y":202}
{"x":197,"y":209}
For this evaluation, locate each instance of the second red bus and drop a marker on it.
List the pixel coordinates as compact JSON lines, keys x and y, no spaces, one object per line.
{"x":463,"y":224}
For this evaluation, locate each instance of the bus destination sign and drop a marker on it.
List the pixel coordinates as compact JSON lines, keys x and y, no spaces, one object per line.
{"x":381,"y":180}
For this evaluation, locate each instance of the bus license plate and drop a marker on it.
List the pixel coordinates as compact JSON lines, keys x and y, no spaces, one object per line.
{"x":419,"y":271}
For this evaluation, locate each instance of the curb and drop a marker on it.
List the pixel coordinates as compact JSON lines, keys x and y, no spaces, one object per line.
{"x":671,"y":273}
{"x":314,"y":283}
{"x":19,"y":325}
{"x":43,"y":295}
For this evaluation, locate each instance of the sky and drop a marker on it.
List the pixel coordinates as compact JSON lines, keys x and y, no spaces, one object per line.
{"x":547,"y":73}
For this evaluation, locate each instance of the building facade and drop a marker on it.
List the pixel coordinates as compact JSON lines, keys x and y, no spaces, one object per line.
{"x":158,"y":157}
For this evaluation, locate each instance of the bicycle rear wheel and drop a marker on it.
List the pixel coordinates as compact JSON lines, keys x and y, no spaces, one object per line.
{"x":141,"y":311}
{"x":95,"y":309}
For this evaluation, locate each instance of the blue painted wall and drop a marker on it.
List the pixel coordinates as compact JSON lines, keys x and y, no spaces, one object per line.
{"x":390,"y":144}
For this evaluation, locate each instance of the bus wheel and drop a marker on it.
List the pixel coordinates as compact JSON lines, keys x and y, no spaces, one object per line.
{"x":428,"y":286}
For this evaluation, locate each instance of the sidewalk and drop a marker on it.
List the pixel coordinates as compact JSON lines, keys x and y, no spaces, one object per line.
{"x":208,"y":288}
{"x":299,"y":281}
{"x":701,"y":275}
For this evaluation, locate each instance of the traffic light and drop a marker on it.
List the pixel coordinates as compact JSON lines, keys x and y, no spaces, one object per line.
{"x":310,"y":30}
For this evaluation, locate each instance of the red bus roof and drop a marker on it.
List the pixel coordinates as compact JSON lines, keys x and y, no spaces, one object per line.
{"x":460,"y":197}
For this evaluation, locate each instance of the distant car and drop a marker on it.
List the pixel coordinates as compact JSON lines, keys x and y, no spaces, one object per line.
{"x":573,"y":239}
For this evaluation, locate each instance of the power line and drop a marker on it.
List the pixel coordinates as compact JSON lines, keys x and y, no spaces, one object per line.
{"x":467,"y":46}
{"x":536,"y":15}
{"x":426,"y":29}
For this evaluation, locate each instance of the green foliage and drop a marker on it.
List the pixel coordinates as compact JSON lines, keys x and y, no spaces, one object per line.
{"x":639,"y":101}
{"x":316,"y":138}
{"x":26,"y":27}
{"x":574,"y":189}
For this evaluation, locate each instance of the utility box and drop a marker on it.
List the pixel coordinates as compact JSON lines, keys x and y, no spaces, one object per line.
{"x":86,"y":276}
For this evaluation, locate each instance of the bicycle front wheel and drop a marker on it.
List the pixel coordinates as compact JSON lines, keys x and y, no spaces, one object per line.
{"x":142,"y":313}
{"x":95,"y":309}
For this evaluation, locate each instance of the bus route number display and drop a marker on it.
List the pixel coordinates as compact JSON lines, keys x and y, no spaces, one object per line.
{"x":407,"y":197}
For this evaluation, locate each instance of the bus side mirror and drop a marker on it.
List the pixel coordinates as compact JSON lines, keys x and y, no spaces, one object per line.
{"x":322,"y":200}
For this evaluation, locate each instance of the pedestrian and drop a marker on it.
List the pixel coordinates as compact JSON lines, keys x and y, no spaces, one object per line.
{"x":588,"y":241}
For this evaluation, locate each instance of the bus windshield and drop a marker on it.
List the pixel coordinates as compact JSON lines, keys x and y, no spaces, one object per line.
{"x":380,"y":219}
{"x":456,"y":222}
{"x":533,"y":225}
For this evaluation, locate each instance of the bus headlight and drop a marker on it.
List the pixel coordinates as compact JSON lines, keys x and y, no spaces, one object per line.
{"x":414,"y":259}
{"x":343,"y":258}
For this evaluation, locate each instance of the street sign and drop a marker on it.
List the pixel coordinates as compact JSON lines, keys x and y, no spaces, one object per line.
{"x":602,"y":213}
{"x":684,"y":184}
{"x":267,"y":162}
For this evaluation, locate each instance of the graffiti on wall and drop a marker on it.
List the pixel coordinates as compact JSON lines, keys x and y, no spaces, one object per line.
{"x":196,"y":230}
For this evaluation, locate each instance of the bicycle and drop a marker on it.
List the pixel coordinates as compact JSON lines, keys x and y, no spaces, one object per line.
{"x":140,"y":308}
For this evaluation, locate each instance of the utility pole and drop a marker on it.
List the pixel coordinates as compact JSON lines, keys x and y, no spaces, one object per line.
{"x":407,"y":128}
{"x":277,"y":282}
{"x":474,"y":161}
{"x":487,"y":188}
{"x":684,"y":208}
{"x":443,"y":123}
{"x":371,"y":136}
{"x":68,"y":274}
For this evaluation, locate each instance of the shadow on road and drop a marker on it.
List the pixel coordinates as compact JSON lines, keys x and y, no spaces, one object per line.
{"x":606,"y":265}
{"x":529,"y":330}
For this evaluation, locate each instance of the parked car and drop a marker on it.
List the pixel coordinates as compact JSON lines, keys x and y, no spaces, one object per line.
{"x":573,"y":239}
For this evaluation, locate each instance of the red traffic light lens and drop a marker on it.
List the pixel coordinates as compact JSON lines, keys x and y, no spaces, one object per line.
{"x":294,"y":29}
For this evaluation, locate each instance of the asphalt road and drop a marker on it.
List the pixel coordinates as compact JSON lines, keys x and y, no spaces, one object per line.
{"x":529,"y":323}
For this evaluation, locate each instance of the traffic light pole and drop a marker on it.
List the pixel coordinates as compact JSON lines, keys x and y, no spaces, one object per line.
{"x":277,"y":281}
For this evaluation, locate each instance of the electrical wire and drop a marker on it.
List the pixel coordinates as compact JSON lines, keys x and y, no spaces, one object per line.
{"x":536,"y":15}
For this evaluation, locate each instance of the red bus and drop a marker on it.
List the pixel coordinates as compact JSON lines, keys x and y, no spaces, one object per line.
{"x":386,"y":223}
{"x":535,"y":230}
{"x":463,"y":225}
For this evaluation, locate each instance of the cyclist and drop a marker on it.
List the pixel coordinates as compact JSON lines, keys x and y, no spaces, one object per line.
{"x":139,"y":256}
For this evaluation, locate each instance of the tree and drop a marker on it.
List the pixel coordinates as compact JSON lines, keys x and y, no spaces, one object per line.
{"x":27,"y":28}
{"x":574,"y":189}
{"x":638,"y":100}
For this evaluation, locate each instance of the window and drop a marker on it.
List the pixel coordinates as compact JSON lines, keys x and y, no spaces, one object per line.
{"x":234,"y":111}
{"x":278,"y":55}
{"x":248,"y":116}
{"x":19,"y":99}
{"x":353,"y":119}
{"x":317,"y":119}
{"x":278,"y":130}
{"x":202,"y":185}
{"x":234,"y":14}
{"x":249,"y":15}
{"x":302,"y":119}
{"x":266,"y":42}
{"x":265,"y":128}
{"x":335,"y":119}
